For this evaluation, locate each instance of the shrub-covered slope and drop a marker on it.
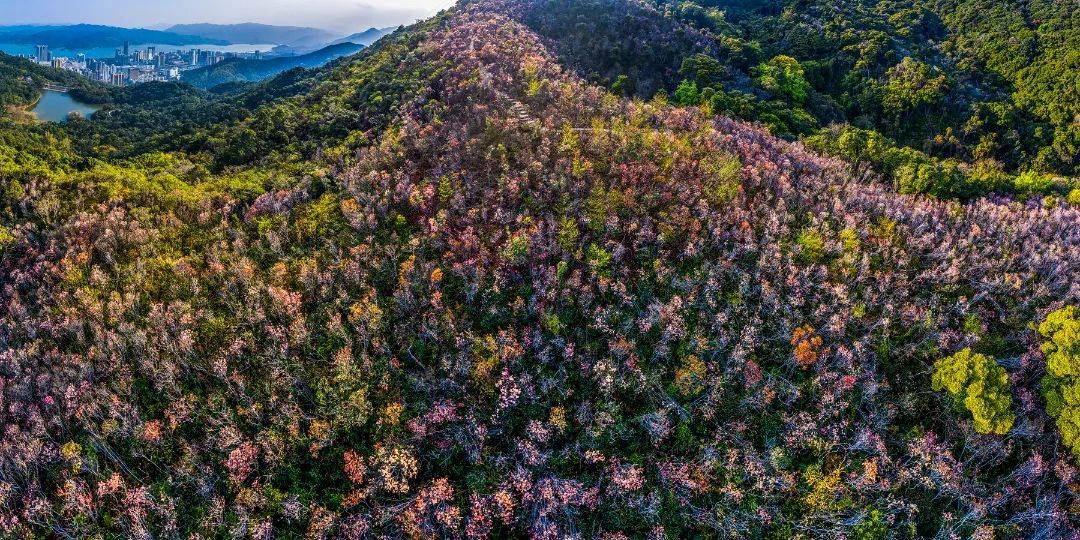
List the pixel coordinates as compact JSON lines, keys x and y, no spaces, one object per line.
{"x":488,"y":299}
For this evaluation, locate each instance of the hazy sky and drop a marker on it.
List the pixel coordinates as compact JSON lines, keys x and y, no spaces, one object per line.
{"x":343,"y":16}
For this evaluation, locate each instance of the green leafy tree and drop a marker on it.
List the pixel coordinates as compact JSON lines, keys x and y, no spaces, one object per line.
{"x":872,"y":527}
{"x":703,"y":17}
{"x":1074,"y":197}
{"x":6,"y":238}
{"x":861,"y":147}
{"x":911,"y":85}
{"x":912,"y":98}
{"x":942,"y":179}
{"x":978,"y":383}
{"x":621,"y":86}
{"x":1061,"y":385}
{"x":687,"y":93}
{"x":784,"y":75}
{"x":1033,"y":183}
{"x":703,"y":69}
{"x":599,"y":259}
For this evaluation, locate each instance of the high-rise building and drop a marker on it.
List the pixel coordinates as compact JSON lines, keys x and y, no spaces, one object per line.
{"x":43,"y":53}
{"x":127,"y":49}
{"x":209,"y":58}
{"x":105,"y":72}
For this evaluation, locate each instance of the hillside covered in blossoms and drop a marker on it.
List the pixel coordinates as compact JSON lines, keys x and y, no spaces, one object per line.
{"x":459,"y":286}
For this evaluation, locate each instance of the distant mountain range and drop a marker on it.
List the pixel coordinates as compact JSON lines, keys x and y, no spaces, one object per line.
{"x":246,"y":70}
{"x":87,"y":36}
{"x":287,"y":39}
{"x":367,"y":37}
{"x":292,"y":36}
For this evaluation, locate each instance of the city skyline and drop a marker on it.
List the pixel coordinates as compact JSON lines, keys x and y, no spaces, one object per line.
{"x":342,"y":16}
{"x":136,"y":65}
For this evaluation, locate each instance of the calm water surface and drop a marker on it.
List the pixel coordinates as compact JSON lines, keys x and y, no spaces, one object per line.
{"x":55,"y":106}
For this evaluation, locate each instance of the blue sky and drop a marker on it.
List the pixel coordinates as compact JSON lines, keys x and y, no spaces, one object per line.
{"x":343,"y":16}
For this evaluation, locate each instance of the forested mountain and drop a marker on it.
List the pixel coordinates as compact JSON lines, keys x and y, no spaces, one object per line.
{"x":251,"y":70}
{"x":88,"y":36}
{"x":297,"y":36}
{"x":957,"y":98}
{"x":516,"y":271}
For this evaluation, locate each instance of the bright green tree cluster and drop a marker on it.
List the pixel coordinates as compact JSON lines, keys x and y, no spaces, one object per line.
{"x":978,"y":382}
{"x":911,"y":85}
{"x":687,"y":93}
{"x":784,"y":75}
{"x":916,"y":172}
{"x":1061,"y":385}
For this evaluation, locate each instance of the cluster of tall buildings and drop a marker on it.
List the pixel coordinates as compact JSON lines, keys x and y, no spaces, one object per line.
{"x":131,"y":66}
